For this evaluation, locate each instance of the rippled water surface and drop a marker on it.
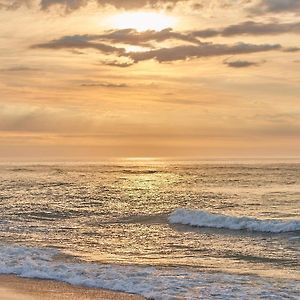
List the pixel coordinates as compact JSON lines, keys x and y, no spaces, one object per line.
{"x":119,"y":214}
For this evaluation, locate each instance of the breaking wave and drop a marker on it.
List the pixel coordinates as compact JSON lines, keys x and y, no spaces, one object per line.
{"x":202,"y":218}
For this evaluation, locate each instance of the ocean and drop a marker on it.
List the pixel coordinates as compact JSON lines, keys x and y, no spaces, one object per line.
{"x":161,"y":229}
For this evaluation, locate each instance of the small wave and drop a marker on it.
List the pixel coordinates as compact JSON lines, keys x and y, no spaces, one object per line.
{"x":201,"y":218}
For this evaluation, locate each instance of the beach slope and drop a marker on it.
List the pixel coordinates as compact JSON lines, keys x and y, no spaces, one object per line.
{"x":16,"y":288}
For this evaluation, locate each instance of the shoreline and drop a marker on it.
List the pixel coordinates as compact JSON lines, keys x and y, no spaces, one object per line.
{"x":13,"y":287}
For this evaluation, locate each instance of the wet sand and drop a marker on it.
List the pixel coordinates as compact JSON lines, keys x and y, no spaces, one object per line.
{"x":16,"y":288}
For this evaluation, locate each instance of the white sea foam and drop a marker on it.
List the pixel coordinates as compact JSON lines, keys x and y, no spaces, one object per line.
{"x":202,"y":218}
{"x":157,"y":283}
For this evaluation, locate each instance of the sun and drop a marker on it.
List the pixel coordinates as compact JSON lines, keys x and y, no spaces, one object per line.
{"x":142,"y":21}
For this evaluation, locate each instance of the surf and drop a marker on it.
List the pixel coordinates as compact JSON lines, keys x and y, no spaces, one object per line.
{"x":201,"y":218}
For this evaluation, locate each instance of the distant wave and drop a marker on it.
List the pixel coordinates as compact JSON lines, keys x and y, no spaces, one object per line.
{"x":202,"y":218}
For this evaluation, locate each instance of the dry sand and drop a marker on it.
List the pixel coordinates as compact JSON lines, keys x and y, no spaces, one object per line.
{"x":16,"y":288}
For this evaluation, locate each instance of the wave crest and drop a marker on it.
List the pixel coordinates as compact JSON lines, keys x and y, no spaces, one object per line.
{"x":200,"y":218}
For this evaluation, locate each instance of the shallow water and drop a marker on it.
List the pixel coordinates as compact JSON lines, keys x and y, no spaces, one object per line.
{"x":118,"y":216}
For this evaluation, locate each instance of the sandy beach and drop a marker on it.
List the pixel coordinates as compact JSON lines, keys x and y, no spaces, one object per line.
{"x":16,"y":288}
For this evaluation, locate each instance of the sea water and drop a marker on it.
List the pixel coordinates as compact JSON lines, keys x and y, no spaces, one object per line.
{"x":164,"y":229}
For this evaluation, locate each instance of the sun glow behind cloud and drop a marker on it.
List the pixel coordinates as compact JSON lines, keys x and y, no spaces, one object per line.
{"x":142,"y":21}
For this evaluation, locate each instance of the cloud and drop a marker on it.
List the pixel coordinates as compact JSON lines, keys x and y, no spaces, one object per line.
{"x":122,"y":36}
{"x":124,"y":4}
{"x":204,"y":50}
{"x":292,"y":49}
{"x":240,"y":63}
{"x":14,"y":4}
{"x":29,"y":118}
{"x":19,"y":69}
{"x":276,"y":6}
{"x":43,"y":4}
{"x":151,"y":39}
{"x":79,"y":42}
{"x":115,"y":63}
{"x":250,"y":28}
{"x":69,"y":5}
{"x":260,"y":6}
{"x":134,"y":37}
{"x":104,"y":84}
{"x":181,"y":52}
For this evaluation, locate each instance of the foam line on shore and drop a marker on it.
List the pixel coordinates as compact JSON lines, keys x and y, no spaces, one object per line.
{"x":150,"y":282}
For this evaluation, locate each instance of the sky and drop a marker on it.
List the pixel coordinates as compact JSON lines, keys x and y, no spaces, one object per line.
{"x":91,"y":79}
